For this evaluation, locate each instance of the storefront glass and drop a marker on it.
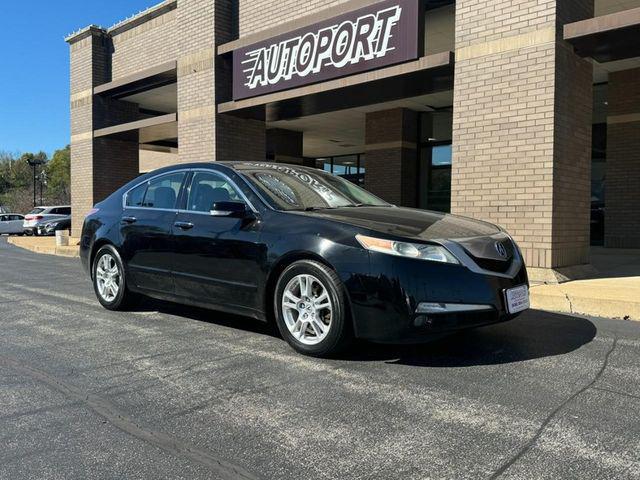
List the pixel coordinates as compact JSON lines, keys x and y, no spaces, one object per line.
{"x":435,"y":158}
{"x":350,"y":167}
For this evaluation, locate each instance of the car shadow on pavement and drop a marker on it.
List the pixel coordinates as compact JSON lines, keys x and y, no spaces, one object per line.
{"x":535,"y":334}
{"x":209,"y":316}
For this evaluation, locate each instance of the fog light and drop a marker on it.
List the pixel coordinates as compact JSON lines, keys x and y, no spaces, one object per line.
{"x":436,"y":307}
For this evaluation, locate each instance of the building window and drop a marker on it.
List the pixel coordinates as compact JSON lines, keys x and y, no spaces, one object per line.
{"x":435,"y":159}
{"x":350,"y":167}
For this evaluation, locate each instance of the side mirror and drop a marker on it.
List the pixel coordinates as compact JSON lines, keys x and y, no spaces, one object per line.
{"x":229,"y":209}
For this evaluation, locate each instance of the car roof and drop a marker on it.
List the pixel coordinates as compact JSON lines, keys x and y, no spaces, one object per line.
{"x":236,"y":165}
{"x":52,"y":206}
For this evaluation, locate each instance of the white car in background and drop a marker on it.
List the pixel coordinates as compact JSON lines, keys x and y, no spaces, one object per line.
{"x":11,"y":224}
{"x":43,"y":215}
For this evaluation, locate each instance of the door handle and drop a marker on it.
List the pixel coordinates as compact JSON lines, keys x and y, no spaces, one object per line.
{"x":129,"y":219}
{"x":184,"y":225}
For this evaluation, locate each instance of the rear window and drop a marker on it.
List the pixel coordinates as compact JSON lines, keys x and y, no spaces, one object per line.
{"x":35,"y":211}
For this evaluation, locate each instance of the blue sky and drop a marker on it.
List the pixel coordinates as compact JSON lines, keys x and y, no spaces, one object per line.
{"x":34,"y":73}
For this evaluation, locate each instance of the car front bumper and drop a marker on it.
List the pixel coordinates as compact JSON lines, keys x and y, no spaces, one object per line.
{"x":398,"y":301}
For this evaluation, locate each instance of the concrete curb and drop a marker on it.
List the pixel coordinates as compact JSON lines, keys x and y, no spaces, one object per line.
{"x":45,"y":246}
{"x":606,"y":297}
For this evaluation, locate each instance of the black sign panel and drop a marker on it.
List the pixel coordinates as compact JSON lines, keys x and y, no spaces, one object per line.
{"x":376,"y":36}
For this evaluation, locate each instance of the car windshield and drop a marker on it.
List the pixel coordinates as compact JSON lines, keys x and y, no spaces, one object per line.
{"x":297,"y":188}
{"x":36,"y":211}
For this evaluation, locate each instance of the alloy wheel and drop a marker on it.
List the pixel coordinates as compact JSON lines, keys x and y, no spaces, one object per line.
{"x":307,"y":309}
{"x":108,"y":278}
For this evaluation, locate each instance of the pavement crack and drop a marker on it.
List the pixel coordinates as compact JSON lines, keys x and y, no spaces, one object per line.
{"x":110,"y":412}
{"x":554,"y":413}
{"x":617,"y":392}
{"x":570,"y":303}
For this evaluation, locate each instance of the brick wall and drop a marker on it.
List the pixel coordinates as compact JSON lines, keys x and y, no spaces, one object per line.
{"x":520,"y":156}
{"x":256,"y":15}
{"x":622,"y":196}
{"x":390,"y":138}
{"x":149,"y":44}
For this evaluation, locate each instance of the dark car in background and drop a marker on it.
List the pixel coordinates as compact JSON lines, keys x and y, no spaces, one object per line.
{"x":51,"y":227}
{"x":325,"y":259}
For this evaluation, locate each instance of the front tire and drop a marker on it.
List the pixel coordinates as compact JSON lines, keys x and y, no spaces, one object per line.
{"x":311,"y":309}
{"x":109,"y":281}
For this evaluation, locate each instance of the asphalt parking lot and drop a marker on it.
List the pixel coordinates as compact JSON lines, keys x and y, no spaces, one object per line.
{"x":174,"y":392}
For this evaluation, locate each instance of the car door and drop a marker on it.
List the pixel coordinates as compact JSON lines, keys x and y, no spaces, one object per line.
{"x":4,"y":224}
{"x":145,"y":228}
{"x":15,"y":223}
{"x":217,"y":257}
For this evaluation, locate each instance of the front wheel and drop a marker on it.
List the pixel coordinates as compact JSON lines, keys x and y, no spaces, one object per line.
{"x":311,"y":309}
{"x":109,"y":280}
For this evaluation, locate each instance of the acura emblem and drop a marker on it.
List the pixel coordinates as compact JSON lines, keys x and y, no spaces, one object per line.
{"x":501,"y":250}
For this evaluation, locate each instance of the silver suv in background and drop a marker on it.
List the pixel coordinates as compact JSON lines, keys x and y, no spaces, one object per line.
{"x":40,"y":216}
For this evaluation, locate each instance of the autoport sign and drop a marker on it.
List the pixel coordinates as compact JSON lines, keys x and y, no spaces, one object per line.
{"x":379,"y":35}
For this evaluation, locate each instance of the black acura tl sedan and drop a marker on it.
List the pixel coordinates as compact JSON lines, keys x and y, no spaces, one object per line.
{"x":323,"y":258}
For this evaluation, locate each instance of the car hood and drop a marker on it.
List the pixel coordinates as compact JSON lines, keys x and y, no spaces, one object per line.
{"x":409,"y":223}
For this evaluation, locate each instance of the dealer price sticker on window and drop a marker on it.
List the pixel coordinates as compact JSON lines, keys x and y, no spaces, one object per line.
{"x":517,"y":299}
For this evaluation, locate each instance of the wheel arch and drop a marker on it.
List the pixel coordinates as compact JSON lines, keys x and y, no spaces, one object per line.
{"x":97,"y":245}
{"x":280,"y":266}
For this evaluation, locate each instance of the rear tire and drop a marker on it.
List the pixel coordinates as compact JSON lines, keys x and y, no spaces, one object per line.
{"x":312,"y":311}
{"x":109,"y":280}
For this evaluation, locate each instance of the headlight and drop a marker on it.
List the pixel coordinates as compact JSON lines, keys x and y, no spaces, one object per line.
{"x":432,"y":253}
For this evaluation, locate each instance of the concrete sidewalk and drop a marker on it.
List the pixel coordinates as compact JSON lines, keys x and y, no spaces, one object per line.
{"x":613,"y":292}
{"x":46,"y":245}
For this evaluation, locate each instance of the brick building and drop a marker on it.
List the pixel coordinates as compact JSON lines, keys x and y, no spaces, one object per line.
{"x":514,"y":111}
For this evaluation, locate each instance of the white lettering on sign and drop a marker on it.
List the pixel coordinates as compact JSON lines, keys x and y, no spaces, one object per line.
{"x":342,"y":44}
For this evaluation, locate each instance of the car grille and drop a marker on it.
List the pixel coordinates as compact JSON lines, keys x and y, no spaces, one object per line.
{"x":482,"y":253}
{"x":500,"y":266}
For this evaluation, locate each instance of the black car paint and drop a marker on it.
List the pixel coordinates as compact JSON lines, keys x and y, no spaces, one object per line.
{"x":383,"y":290}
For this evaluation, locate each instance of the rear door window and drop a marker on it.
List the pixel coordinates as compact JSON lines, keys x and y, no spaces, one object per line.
{"x":163,"y":192}
{"x":135,"y":197}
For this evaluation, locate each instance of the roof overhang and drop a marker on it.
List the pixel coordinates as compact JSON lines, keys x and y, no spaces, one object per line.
{"x":606,"y":38}
{"x":147,"y":130}
{"x":142,"y":81}
{"x":428,"y":74}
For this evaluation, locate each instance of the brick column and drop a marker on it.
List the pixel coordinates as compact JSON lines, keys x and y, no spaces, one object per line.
{"x":98,"y":165}
{"x":390,"y":144}
{"x":205,"y":80}
{"x":522,"y":126}
{"x":88,"y":68}
{"x":622,"y":195}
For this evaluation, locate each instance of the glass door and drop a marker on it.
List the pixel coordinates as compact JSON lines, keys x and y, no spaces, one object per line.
{"x":435,"y":177}
{"x":435,"y":158}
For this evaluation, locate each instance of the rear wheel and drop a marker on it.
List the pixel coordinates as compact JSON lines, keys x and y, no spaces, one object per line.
{"x":109,"y":280}
{"x":311,"y":309}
